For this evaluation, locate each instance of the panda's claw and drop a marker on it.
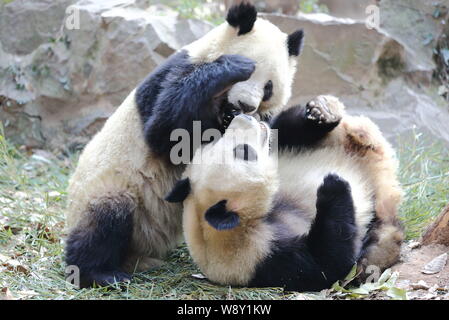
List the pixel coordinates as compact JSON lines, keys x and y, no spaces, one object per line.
{"x":318,"y":111}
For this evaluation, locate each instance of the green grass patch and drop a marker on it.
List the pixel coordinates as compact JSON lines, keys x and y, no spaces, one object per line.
{"x":32,"y":201}
{"x":424,"y":175}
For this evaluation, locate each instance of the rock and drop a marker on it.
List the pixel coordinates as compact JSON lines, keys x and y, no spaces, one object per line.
{"x":339,"y":55}
{"x":369,"y":70}
{"x":438,"y":231}
{"x":436,"y":265}
{"x":412,"y":24}
{"x":414,"y":244}
{"x":38,"y":20}
{"x":69,"y":86}
{"x":354,"y":9}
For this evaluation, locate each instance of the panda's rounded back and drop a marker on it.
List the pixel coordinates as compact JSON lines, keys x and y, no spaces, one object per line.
{"x":116,"y":161}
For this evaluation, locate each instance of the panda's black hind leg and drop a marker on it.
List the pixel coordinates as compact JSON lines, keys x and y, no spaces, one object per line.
{"x":98,"y":245}
{"x":331,"y":238}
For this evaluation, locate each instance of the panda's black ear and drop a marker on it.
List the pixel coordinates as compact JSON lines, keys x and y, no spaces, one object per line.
{"x":179,"y":192}
{"x":242,"y":16}
{"x":221,"y":219}
{"x":295,"y":42}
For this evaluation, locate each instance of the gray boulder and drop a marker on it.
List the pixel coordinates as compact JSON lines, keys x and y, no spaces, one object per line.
{"x":74,"y":80}
{"x":371,"y":71}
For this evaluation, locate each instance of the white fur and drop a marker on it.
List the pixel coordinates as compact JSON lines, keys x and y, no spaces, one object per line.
{"x":267,"y":45}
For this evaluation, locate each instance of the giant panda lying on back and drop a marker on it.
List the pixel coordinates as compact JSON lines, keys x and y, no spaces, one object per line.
{"x":117,"y":219}
{"x":299,"y":223}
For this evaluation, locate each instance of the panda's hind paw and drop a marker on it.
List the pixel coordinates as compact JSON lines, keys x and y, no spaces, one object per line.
{"x":323,"y":110}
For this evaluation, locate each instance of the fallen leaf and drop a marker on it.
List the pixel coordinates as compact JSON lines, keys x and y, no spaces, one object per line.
{"x":14,"y":265}
{"x":396,"y":293}
{"x":45,"y":233}
{"x":436,"y":265}
{"x":421,"y":285}
{"x":14,"y":230}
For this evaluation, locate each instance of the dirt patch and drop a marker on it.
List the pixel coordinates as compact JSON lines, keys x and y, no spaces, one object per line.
{"x":435,"y":286}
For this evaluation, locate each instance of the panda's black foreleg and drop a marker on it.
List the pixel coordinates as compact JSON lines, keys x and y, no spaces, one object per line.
{"x":189,"y":95}
{"x":301,"y":127}
{"x":332,"y":236}
{"x":98,"y":245}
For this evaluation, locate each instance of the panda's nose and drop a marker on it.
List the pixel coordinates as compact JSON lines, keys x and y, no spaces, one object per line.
{"x":246,"y":108}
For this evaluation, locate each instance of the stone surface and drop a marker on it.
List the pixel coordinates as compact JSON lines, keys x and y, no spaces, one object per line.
{"x":71,"y":84}
{"x":412,"y":24}
{"x":24,"y":24}
{"x":367,"y":69}
{"x":354,"y":9}
{"x":62,"y":85}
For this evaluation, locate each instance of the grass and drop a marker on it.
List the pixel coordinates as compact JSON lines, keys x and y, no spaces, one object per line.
{"x":32,"y":200}
{"x":424,"y":175}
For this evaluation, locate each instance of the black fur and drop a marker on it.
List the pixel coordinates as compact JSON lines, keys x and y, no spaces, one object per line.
{"x":325,"y":255}
{"x":370,"y":237}
{"x":296,"y":131}
{"x":295,"y":42}
{"x":221,"y":219}
{"x":179,"y":192}
{"x":99,"y":244}
{"x":242,"y":16}
{"x":267,"y":91}
{"x":179,"y":92}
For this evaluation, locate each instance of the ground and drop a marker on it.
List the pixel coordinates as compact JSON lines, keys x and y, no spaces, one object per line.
{"x":32,"y":200}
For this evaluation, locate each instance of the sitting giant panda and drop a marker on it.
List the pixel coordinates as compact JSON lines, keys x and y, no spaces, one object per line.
{"x":117,"y":218}
{"x":300,"y":220}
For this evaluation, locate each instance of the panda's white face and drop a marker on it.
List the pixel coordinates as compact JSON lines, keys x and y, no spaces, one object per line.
{"x":237,"y":168}
{"x":269,"y":87}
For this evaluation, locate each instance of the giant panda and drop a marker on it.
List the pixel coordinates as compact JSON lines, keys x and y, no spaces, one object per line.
{"x":117,"y":219}
{"x":300,"y":218}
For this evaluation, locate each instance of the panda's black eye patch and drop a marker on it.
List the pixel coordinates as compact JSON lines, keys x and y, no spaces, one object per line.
{"x":245,"y":152}
{"x":267,"y":90}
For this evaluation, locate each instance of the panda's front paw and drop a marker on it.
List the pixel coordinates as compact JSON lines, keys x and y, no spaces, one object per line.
{"x":239,"y":68}
{"x":324,"y":110}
